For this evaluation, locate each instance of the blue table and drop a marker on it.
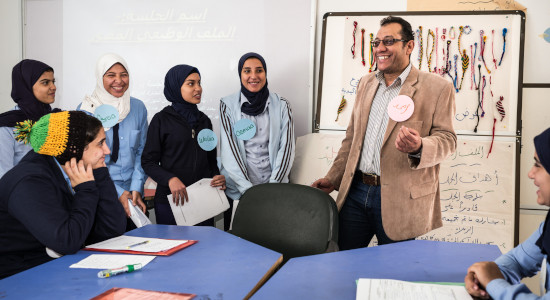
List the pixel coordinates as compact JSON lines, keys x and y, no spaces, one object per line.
{"x":219,"y":266}
{"x":333,"y":275}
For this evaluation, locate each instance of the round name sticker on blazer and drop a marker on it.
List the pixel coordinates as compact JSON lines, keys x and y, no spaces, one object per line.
{"x":245,"y":129}
{"x":107,"y":114}
{"x":207,"y":139}
{"x":401,"y":108}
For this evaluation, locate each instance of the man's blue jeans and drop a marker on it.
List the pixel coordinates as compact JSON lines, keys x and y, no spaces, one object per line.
{"x":361,"y":218}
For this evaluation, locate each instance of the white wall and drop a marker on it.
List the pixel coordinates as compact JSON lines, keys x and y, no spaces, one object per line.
{"x":11,"y":49}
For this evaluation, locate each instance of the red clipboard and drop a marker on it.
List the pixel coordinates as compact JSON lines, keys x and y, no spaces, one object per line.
{"x":160,"y":253}
{"x":127,"y":293}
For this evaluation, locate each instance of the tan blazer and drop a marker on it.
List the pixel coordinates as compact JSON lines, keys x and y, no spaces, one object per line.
{"x":409,"y":187}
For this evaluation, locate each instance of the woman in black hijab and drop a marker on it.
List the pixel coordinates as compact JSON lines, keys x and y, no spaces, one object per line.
{"x":501,"y":279}
{"x":33,"y":90}
{"x":172,"y":156}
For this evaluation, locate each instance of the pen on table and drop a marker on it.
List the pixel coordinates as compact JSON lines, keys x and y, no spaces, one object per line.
{"x":138,"y":244}
{"x":113,"y":272}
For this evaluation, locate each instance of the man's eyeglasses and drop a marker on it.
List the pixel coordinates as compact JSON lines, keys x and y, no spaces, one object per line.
{"x":386,"y":42}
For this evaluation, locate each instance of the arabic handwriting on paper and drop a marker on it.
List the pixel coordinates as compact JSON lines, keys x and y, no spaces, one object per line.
{"x":476,"y":196}
{"x":352,"y":88}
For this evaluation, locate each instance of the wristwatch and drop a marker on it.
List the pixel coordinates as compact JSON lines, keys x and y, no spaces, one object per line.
{"x":417,"y":155}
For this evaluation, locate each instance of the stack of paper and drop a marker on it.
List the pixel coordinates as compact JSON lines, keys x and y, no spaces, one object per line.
{"x":205,"y":202}
{"x":387,"y":289}
{"x":137,"y":216}
{"x":112,"y":261}
{"x":140,"y":245}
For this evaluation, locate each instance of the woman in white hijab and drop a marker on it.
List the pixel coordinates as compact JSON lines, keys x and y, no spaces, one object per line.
{"x":126,"y":137}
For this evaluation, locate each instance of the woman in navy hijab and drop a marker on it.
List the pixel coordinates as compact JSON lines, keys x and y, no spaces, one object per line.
{"x":172,"y":155}
{"x":33,"y":90}
{"x":268,"y":155}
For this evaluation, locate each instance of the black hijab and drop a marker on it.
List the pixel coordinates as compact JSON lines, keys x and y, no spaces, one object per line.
{"x":23,"y":77}
{"x":542,"y":147}
{"x":172,"y":91}
{"x":258,"y":99}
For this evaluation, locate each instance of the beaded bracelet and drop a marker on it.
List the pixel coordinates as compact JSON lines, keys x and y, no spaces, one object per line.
{"x":430,"y":33}
{"x":436,"y":53}
{"x":340,"y":107}
{"x":371,"y":53}
{"x":460,"y":30}
{"x":465,"y":64}
{"x":353,"y":46}
{"x":504,"y":31}
{"x":452,"y":33}
{"x":363,"y":46}
{"x":420,"y":48}
{"x":500,"y":108}
{"x":493,"y":48}
{"x":482,"y":50}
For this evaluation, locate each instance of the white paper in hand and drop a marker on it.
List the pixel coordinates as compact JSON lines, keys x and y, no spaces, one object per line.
{"x":137,"y":216}
{"x":205,"y":202}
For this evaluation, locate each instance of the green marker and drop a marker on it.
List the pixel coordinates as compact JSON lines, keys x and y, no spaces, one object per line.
{"x":113,"y":272}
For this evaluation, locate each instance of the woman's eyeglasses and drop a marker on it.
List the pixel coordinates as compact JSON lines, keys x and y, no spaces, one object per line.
{"x":386,"y":42}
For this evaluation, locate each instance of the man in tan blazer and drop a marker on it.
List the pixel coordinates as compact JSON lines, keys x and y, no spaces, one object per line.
{"x":387,"y":172}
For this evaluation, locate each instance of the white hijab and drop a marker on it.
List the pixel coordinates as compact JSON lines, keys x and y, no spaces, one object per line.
{"x":100,"y":95}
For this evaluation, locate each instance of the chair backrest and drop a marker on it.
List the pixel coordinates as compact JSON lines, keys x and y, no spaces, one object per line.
{"x":292,"y":219}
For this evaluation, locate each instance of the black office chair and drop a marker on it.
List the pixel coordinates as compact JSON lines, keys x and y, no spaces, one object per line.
{"x":295,"y":220}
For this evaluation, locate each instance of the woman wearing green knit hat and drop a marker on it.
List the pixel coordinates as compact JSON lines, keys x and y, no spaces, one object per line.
{"x":60,"y":196}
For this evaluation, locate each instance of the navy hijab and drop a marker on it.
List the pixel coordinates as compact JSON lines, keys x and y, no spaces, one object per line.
{"x":23,"y":77}
{"x":172,"y":91}
{"x":258,"y":99}
{"x":542,"y":147}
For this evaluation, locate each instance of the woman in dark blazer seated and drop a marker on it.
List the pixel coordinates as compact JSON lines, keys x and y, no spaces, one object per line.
{"x":60,"y":196}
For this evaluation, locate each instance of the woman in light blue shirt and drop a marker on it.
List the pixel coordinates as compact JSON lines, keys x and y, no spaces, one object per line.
{"x":501,"y":279}
{"x":126,"y":139}
{"x":269,"y":154}
{"x":33,"y":90}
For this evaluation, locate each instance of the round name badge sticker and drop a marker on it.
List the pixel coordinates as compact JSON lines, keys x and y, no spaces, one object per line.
{"x":107,"y":114}
{"x":401,"y":108}
{"x":207,"y":139}
{"x":245,"y":129}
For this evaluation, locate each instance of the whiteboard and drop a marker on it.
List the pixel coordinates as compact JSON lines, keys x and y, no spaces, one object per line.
{"x":341,"y":71}
{"x":153,"y":36}
{"x":478,"y":190}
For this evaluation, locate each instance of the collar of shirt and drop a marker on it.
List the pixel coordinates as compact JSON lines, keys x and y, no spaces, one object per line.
{"x":400,"y":79}
{"x":64,"y":175}
{"x":244,"y":99}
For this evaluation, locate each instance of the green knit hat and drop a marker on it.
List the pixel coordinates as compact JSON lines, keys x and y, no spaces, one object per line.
{"x":61,"y":135}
